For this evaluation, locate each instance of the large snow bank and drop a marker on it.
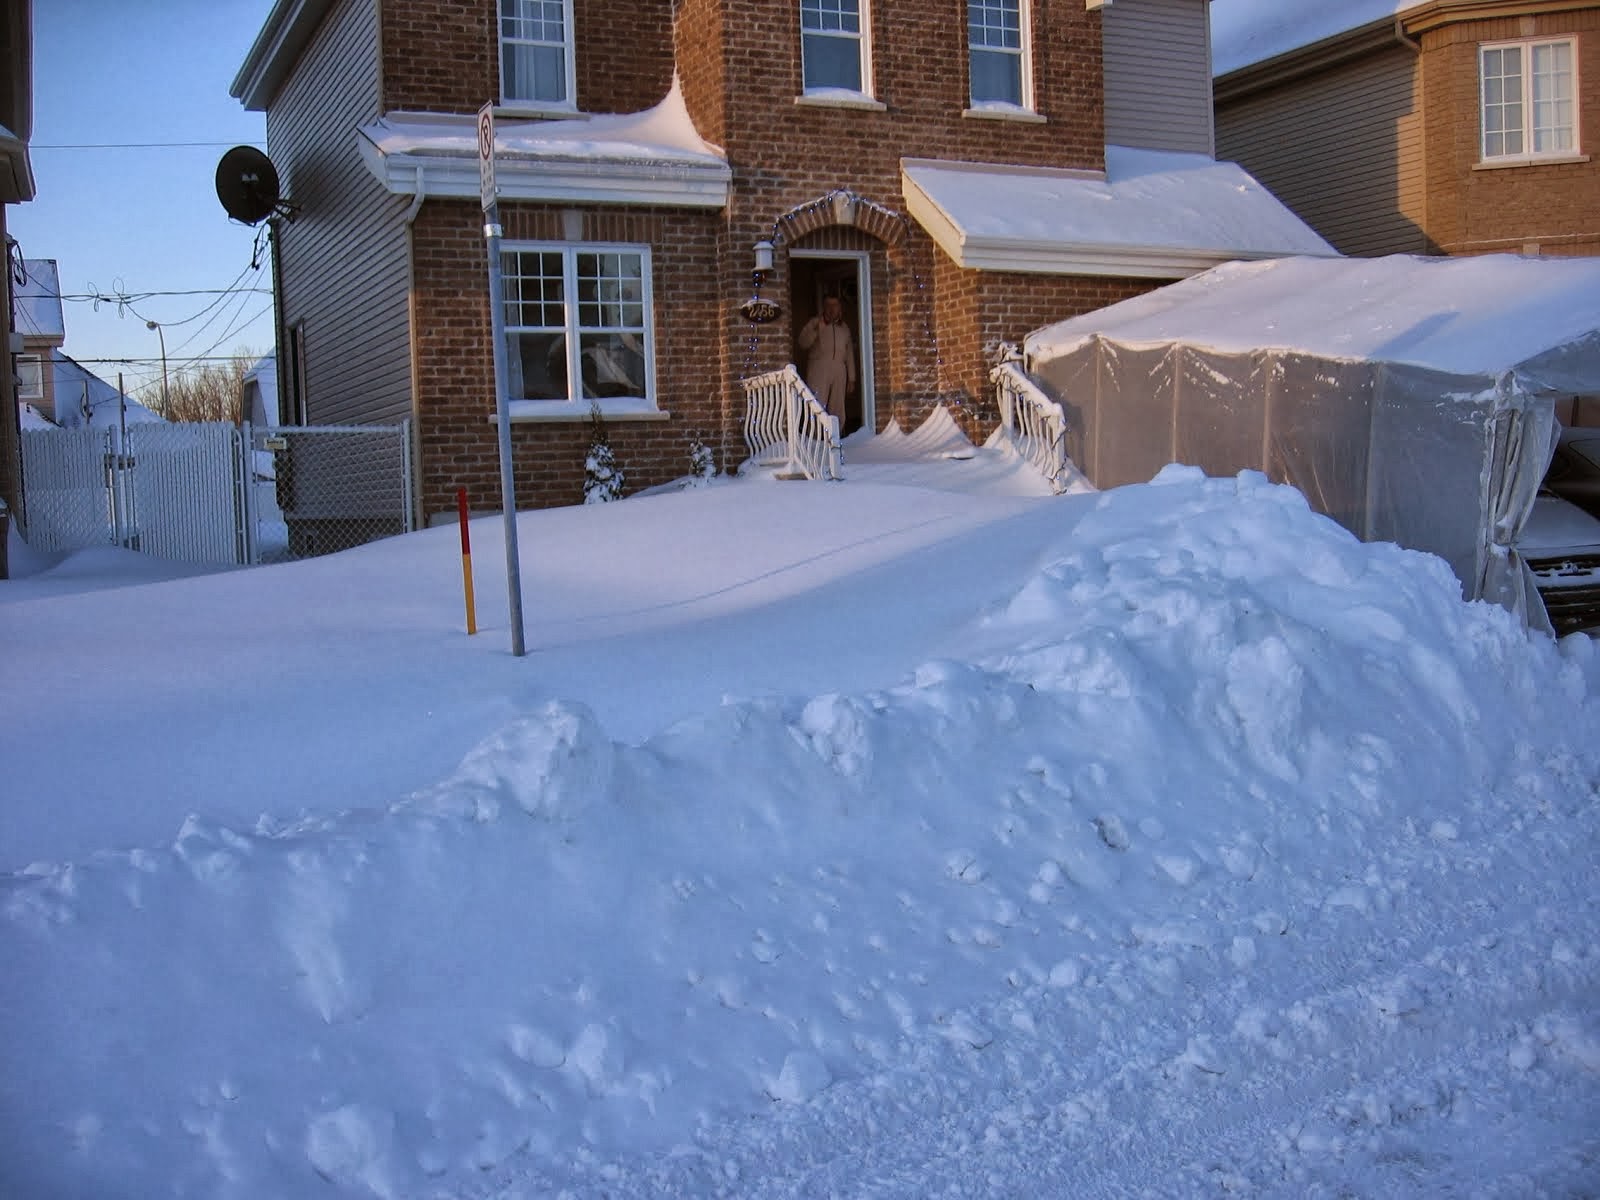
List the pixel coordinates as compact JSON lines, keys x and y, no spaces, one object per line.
{"x":1222,"y":852}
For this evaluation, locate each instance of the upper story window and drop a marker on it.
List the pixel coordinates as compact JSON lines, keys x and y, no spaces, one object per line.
{"x":578,"y":321}
{"x":834,"y":48}
{"x":536,"y":65}
{"x":1527,"y":92}
{"x":30,"y":377}
{"x":997,"y":51}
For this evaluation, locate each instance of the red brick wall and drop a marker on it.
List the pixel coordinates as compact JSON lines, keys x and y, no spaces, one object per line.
{"x":978,"y":310}
{"x":455,"y":367}
{"x":443,"y":55}
{"x":1555,"y":206}
{"x":741,"y":83}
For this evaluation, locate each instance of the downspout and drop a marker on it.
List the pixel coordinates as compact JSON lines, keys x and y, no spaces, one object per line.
{"x":1400,"y":36}
{"x":420,"y":194}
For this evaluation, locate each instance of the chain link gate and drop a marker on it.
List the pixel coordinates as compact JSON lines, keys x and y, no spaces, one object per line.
{"x":216,"y":492}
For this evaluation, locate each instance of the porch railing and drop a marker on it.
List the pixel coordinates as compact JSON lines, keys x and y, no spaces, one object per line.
{"x":785,"y":426}
{"x":1033,"y":422}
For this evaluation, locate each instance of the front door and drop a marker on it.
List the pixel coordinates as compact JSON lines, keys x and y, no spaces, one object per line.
{"x":816,"y":274}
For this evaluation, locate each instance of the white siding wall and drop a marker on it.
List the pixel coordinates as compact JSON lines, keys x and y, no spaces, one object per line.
{"x":1157,"y":58}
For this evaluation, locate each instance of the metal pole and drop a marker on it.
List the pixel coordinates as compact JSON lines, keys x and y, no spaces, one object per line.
{"x":165,"y":404}
{"x":497,"y":332}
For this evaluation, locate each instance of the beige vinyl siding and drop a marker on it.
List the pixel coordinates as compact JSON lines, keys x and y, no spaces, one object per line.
{"x":1157,"y":61}
{"x":343,"y":261}
{"x":1342,"y":148}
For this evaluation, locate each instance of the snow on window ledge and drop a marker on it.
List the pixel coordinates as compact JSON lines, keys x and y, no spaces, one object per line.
{"x":622,"y":408}
{"x":1528,"y":160}
{"x":840,"y":98}
{"x":998,"y":111}
{"x":519,"y":110}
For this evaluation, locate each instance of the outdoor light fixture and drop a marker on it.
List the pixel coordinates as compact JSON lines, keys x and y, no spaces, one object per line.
{"x":763,"y":250}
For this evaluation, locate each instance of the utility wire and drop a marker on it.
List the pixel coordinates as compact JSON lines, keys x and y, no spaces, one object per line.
{"x":132,"y":145}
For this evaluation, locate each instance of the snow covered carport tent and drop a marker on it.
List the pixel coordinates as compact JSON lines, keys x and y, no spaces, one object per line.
{"x":1411,"y":399}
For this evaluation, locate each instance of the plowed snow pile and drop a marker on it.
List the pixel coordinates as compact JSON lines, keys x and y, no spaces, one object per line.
{"x":1206,"y":852}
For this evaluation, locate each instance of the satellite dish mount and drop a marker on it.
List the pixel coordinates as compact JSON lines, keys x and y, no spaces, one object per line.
{"x":247,"y":185}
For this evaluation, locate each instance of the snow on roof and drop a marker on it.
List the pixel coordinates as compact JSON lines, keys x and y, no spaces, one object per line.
{"x":1249,"y":31}
{"x":1152,"y":213}
{"x":654,"y":155}
{"x":262,"y":380}
{"x":83,"y":398}
{"x":1467,"y":316}
{"x":39,"y":301}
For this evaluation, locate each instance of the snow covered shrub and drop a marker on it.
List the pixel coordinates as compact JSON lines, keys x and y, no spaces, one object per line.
{"x":702,"y":462}
{"x":602,"y":477}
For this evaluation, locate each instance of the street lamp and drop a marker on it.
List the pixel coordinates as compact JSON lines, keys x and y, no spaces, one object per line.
{"x":164,"y":400}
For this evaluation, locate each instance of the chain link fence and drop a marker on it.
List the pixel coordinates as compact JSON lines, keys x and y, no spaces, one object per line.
{"x":319,"y":489}
{"x":217,"y":493}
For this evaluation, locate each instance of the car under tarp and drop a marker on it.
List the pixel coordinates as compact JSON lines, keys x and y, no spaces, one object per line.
{"x":1411,"y":399}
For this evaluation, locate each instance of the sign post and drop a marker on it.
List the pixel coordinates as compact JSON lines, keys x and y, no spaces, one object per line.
{"x":497,"y":334}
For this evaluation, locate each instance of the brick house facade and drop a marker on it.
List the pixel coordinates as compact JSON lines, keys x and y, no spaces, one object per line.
{"x":650,"y":146}
{"x":1416,"y":160}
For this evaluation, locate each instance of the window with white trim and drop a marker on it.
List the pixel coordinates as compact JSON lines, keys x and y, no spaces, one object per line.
{"x":834,"y":46}
{"x":997,"y":53}
{"x":578,"y":313}
{"x":536,"y":61}
{"x":1527,"y":93}
{"x":30,"y":377}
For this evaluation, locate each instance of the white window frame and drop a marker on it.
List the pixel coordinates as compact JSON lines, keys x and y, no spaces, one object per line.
{"x":575,"y":402}
{"x":569,"y":85}
{"x":30,"y":382}
{"x":1023,"y":53}
{"x":862,"y":38}
{"x":1527,"y":154}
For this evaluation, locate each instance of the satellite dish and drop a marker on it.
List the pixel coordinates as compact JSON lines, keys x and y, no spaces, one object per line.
{"x":247,"y":185}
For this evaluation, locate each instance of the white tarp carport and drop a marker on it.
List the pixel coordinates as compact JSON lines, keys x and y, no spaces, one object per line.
{"x":1410,"y":399}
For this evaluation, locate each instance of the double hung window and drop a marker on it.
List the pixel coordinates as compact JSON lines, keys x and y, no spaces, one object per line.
{"x":1527,"y":94}
{"x":997,"y":53}
{"x":30,"y":377}
{"x":536,"y":53}
{"x":578,"y":321}
{"x":834,"y":48}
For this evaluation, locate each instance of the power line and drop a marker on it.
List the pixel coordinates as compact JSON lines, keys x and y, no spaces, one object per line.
{"x":127,"y":297}
{"x":133,"y":145}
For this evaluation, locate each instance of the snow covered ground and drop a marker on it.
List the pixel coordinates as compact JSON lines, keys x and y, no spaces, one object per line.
{"x":920,"y":835}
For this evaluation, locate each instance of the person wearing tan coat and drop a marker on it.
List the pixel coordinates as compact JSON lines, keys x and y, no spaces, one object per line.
{"x":830,"y":370}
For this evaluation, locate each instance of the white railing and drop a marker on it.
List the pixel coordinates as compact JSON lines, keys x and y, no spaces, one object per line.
{"x":1033,"y":422}
{"x":785,"y":426}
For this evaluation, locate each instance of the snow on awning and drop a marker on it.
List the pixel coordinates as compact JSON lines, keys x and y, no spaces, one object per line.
{"x":1152,"y":214}
{"x":649,"y":157}
{"x":1478,"y":315}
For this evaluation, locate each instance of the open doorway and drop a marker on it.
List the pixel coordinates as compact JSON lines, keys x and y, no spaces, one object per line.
{"x":814,"y":274}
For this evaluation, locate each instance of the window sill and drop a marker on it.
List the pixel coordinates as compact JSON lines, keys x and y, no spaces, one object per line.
{"x":1004,"y":112}
{"x":1529,"y":160}
{"x":534,"y":412}
{"x":839,"y":98}
{"x":538,"y":112}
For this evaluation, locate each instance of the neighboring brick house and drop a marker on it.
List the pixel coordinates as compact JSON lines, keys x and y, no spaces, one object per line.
{"x":1450,"y":127}
{"x":41,"y":327}
{"x":645,"y":149}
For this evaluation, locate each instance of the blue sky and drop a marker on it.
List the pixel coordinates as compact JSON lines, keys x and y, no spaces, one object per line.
{"x":143,"y":219}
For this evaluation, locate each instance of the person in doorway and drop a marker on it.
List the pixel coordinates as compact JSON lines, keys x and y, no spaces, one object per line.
{"x":830,"y":357}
